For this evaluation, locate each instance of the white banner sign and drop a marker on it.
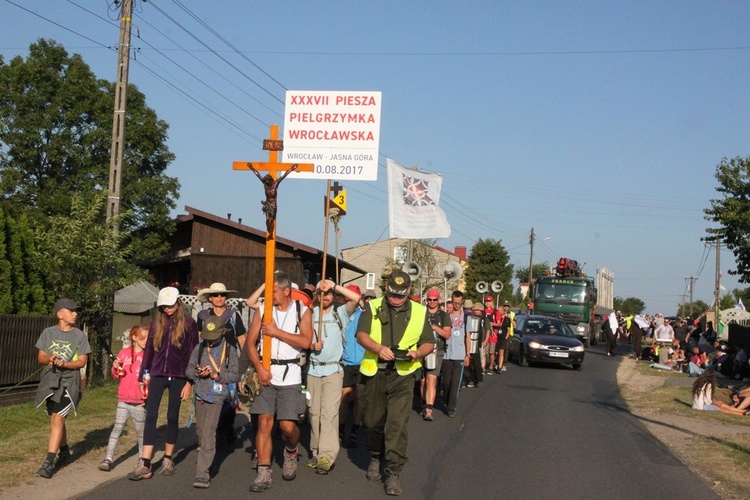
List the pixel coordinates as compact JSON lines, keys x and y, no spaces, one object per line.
{"x":413,"y":199}
{"x":338,"y":132}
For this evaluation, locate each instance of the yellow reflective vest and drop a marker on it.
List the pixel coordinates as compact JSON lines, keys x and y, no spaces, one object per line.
{"x":411,"y":336}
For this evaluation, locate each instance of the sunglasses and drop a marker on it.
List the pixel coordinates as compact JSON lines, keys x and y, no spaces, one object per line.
{"x":432,"y":300}
{"x":218,"y":295}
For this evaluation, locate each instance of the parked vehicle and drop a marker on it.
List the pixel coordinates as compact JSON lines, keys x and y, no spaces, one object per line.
{"x":569,"y":295}
{"x":543,"y":339}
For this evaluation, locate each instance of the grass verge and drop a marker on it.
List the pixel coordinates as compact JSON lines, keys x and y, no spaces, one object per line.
{"x":24,"y":433}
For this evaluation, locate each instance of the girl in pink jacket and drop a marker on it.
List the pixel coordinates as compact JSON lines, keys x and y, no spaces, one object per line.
{"x":130,"y":404}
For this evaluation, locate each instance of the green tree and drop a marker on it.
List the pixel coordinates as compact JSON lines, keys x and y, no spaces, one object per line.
{"x":732,"y":212}
{"x":726,"y":302}
{"x":84,"y":261}
{"x":632,"y":305}
{"x":489,"y":261}
{"x":691,"y":309}
{"x":55,"y":135}
{"x":6,"y":270}
{"x":742,"y":295}
{"x":522,"y":273}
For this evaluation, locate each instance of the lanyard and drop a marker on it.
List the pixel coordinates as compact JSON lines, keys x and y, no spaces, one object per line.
{"x":221,"y":362}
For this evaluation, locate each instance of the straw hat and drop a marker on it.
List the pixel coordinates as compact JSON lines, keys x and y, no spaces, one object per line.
{"x":205,"y":293}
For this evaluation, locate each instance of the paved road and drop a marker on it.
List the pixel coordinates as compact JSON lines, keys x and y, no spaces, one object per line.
{"x":540,"y":432}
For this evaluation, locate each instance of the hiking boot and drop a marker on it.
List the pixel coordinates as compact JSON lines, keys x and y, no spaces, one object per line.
{"x":63,"y":457}
{"x":289,"y":469}
{"x":167,"y":467}
{"x":324,"y":466}
{"x":140,"y":472}
{"x":45,"y":470}
{"x":201,"y":482}
{"x":105,"y":465}
{"x":373,"y":471}
{"x":392,"y":484}
{"x":263,"y":481}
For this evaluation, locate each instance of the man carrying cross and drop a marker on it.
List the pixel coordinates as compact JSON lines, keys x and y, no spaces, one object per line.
{"x":290,"y":331}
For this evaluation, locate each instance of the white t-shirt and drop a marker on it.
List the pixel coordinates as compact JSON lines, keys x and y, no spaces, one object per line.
{"x":704,"y":397}
{"x":286,"y":321}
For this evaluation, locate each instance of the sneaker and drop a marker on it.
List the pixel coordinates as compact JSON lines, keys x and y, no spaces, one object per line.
{"x":201,"y":482}
{"x":470,"y":385}
{"x":488,"y":372}
{"x":289,"y":469}
{"x":452,"y":413}
{"x":324,"y":466}
{"x":373,"y":470}
{"x":392,"y":484}
{"x":503,"y":369}
{"x":105,"y":465}
{"x":140,"y":472}
{"x":167,"y":467}
{"x":427,"y":416}
{"x":45,"y":470}
{"x":263,"y":481}
{"x":313,"y":463}
{"x":63,"y":457}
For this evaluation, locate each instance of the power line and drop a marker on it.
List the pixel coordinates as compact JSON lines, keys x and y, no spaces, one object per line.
{"x":176,"y":23}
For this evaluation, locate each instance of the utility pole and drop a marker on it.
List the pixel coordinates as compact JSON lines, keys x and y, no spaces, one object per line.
{"x":717,"y":283}
{"x":691,"y":280}
{"x":531,"y":259}
{"x":118,"y":124}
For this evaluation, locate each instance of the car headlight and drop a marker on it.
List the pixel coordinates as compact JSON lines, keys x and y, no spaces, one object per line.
{"x":534,"y":345}
{"x":577,"y":348}
{"x":580,"y":329}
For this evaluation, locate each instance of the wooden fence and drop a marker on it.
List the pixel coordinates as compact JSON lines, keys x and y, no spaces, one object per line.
{"x":18,"y":336}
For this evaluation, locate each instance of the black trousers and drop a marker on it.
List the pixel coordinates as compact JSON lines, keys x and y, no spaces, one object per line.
{"x":473,"y":372}
{"x":452,"y":372}
{"x":637,"y":340}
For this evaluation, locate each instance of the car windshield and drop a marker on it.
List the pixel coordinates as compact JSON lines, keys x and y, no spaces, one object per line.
{"x":544,"y":326}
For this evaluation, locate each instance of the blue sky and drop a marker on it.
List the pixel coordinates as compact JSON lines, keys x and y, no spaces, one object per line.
{"x":597,"y":123}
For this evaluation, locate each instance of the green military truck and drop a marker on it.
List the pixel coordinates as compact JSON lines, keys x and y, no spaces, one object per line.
{"x":568,"y":295}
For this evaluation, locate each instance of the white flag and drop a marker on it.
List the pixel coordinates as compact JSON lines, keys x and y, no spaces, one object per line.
{"x":741,"y":305}
{"x":413,"y":199}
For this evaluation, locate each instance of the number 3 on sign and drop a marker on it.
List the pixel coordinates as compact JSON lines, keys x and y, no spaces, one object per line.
{"x":340,"y":200}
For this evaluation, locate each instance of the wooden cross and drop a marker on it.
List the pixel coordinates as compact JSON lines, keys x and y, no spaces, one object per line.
{"x":271,"y":183}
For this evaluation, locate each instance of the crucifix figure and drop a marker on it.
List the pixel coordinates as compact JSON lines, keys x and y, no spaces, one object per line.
{"x":271,"y":187}
{"x":270,"y":208}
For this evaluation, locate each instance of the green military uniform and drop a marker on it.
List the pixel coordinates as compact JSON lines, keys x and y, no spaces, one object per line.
{"x":389,"y":386}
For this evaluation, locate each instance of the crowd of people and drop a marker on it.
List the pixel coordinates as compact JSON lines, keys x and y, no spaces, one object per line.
{"x":687,"y":347}
{"x":348,"y":363}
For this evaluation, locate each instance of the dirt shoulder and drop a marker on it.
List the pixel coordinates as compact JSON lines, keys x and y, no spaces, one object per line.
{"x":709,"y":443}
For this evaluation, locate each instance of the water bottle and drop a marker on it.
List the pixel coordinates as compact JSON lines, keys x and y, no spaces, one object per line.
{"x":146,"y":381}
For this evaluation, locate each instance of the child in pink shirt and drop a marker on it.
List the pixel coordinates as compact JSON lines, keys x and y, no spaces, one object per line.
{"x":130,"y":404}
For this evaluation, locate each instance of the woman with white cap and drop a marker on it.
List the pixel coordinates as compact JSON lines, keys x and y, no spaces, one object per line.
{"x":172,"y":336}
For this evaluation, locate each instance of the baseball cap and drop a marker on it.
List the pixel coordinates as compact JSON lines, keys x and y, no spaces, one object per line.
{"x":213,"y":328}
{"x":488,"y":298}
{"x":398,"y":283}
{"x":433,"y":293}
{"x":66,"y":304}
{"x":167,"y":296}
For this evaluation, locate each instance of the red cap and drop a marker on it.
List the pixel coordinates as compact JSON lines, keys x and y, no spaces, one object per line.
{"x":355,"y":289}
{"x":416,"y":298}
{"x":433,"y":293}
{"x":488,"y":297}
